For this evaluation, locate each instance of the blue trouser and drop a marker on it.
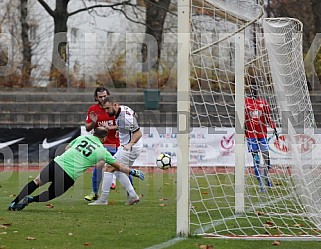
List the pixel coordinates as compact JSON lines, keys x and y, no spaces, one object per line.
{"x":255,"y":146}
{"x":257,"y":171}
{"x":98,"y":173}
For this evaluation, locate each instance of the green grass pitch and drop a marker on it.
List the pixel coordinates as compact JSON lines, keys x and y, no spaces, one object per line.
{"x":71,"y":223}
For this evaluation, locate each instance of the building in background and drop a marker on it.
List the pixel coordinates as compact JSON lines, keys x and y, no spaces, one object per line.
{"x":97,"y":39}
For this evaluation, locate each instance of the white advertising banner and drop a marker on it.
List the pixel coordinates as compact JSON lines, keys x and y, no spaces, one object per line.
{"x":209,"y":147}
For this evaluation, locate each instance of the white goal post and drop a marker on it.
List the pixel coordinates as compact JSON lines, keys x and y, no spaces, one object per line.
{"x":223,"y":47}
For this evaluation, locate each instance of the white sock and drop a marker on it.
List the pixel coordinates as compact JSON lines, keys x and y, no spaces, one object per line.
{"x":124,"y":180}
{"x":107,"y":180}
{"x":114,"y":180}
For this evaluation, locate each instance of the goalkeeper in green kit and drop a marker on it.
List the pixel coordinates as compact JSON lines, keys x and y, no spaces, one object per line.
{"x":62,"y":172}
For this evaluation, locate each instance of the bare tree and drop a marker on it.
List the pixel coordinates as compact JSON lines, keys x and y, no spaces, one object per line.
{"x":59,"y":54}
{"x":155,"y":17}
{"x":26,"y":45}
{"x":316,"y":10}
{"x":9,"y":51}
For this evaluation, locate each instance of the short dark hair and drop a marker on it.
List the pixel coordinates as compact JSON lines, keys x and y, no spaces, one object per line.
{"x":110,"y":99}
{"x":100,"y":132}
{"x":101,"y":89}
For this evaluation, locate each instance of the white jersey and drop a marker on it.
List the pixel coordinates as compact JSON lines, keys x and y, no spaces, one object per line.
{"x":127,"y":124}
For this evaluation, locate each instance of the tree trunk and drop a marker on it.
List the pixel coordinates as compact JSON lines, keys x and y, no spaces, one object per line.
{"x":58,"y":70}
{"x":316,"y":9}
{"x":26,"y":45}
{"x":155,"y":16}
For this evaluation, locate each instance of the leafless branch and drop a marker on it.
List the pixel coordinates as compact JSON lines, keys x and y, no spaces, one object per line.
{"x":99,"y":6}
{"x":127,"y":17}
{"x":46,"y":7}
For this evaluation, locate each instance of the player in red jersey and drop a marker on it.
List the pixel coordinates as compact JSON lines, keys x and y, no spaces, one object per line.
{"x":98,"y":117}
{"x":257,"y":119}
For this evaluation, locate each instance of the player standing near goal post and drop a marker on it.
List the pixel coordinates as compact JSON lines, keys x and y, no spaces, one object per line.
{"x":257,"y":118}
{"x":97,"y":117}
{"x":81,"y":153}
{"x":129,"y":150}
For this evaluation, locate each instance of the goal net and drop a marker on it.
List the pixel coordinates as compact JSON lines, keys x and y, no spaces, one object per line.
{"x":232,"y":47}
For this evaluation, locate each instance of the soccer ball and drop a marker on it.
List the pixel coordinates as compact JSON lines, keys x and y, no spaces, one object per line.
{"x":164,"y":161}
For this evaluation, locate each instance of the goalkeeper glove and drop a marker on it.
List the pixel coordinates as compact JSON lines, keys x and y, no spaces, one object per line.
{"x":276,"y":134}
{"x":137,"y":173}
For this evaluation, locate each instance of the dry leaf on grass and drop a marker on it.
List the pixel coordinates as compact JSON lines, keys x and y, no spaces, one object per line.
{"x":206,"y":247}
{"x":259,"y":213}
{"x":162,"y":205}
{"x":5,"y":225}
{"x":111,"y":202}
{"x":163,"y":199}
{"x":205,"y":193}
{"x":49,"y":205}
{"x":298,"y":225}
{"x":269,"y":224}
{"x":276,"y":243}
{"x":87,"y":244}
{"x":30,"y":238}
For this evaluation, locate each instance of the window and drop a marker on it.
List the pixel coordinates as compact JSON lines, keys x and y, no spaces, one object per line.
{"x":33,"y":32}
{"x":74,"y":34}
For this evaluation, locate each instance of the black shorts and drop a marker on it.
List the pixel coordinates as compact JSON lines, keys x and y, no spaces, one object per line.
{"x":55,"y":174}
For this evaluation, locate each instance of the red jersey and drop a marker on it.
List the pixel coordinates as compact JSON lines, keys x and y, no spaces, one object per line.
{"x":257,"y":117}
{"x":103,"y":119}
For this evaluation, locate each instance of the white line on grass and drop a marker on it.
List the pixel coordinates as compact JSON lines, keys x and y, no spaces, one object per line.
{"x":216,"y":223}
{"x":167,"y":243}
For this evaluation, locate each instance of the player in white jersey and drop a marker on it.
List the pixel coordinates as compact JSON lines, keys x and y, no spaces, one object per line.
{"x":130,"y":147}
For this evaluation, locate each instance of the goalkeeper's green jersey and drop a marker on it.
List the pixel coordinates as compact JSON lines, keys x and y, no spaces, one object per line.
{"x":84,"y":152}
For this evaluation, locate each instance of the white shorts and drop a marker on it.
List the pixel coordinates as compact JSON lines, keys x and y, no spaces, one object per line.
{"x":128,"y":157}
